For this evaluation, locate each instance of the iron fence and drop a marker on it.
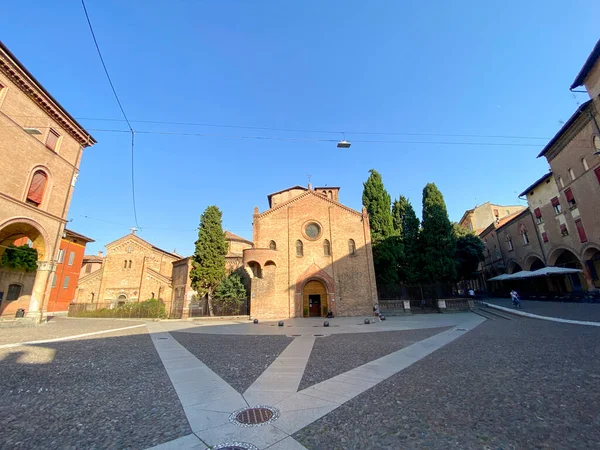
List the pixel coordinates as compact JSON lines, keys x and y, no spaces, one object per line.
{"x":221,"y":307}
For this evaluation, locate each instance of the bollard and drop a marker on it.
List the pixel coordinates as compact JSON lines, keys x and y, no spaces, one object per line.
{"x":326,"y":324}
{"x":255,"y":320}
{"x":281,"y":323}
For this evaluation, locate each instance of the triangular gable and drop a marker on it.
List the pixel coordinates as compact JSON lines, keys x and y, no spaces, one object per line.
{"x":307,"y":194}
{"x":138,"y":240}
{"x":90,"y":276}
{"x":158,"y":276}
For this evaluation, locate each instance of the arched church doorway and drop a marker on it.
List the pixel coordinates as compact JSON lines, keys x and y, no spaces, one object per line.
{"x":314,"y":297}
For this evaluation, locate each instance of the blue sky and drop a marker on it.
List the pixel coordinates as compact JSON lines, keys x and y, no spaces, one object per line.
{"x":379,"y":67}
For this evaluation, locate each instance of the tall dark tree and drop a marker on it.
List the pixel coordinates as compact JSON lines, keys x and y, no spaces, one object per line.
{"x":469,"y":252}
{"x":406,"y":225}
{"x":208,"y":262}
{"x":387,"y":249}
{"x":436,"y":241}
{"x":378,"y":203}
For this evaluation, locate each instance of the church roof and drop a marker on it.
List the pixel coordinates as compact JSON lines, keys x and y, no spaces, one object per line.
{"x":304,"y":195}
{"x":229,"y":236}
{"x":136,"y":237}
{"x":284,"y":190}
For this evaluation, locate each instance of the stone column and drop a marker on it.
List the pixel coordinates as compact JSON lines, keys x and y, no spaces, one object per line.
{"x":44,"y":270}
{"x":588,"y":277}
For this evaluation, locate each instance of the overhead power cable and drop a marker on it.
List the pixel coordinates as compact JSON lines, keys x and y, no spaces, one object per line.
{"x":298,"y":130}
{"x":112,"y":86}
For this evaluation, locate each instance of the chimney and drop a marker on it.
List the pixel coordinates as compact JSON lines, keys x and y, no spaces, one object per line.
{"x":100,"y":253}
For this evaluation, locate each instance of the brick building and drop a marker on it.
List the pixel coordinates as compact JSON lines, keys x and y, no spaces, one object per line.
{"x":563,"y":228}
{"x":68,"y":268}
{"x":91,"y":263}
{"x":132,"y":270}
{"x":311,"y":255}
{"x":235,"y":251}
{"x":41,"y":147}
{"x":480,"y":217}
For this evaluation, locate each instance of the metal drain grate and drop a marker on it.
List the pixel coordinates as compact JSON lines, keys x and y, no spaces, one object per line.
{"x":235,"y":446}
{"x":254,"y":416}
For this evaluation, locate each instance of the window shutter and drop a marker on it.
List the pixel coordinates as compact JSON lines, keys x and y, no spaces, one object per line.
{"x":581,"y":231}
{"x":37,"y":187}
{"x":597,"y":172}
{"x":545,"y":236}
{"x":563,"y":228}
{"x":537,"y":213}
{"x":569,"y":195}
{"x":52,"y":139}
{"x":555,"y":201}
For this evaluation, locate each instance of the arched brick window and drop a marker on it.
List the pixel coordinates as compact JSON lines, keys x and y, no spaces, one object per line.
{"x":130,"y":264}
{"x":272,"y":245}
{"x":125,"y":265}
{"x":326,"y":248}
{"x":299,"y":248}
{"x":37,"y":187}
{"x":351,"y":247}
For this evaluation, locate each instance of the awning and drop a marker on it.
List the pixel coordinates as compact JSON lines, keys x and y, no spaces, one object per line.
{"x":546,"y":271}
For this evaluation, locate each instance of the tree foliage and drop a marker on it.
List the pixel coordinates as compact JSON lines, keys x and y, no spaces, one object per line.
{"x":406,"y":225}
{"x":232,"y":287}
{"x":387,"y":248}
{"x":20,"y":257}
{"x":470,"y":251}
{"x":437,"y":242}
{"x":377,"y":201}
{"x":208,"y":262}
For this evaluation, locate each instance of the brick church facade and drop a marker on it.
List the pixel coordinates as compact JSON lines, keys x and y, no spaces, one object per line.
{"x":311,"y":255}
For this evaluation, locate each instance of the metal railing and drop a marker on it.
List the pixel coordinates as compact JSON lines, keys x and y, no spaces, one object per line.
{"x":221,"y":307}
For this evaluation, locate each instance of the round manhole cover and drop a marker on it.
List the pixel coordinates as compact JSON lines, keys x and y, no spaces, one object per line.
{"x":256,"y":415}
{"x":235,"y":446}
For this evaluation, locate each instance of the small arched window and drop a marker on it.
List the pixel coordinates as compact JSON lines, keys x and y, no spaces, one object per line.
{"x":584,"y":164}
{"x":326,"y":248}
{"x":351,"y":247}
{"x":299,"y":248}
{"x":571,"y":174}
{"x":14,"y":292}
{"x":272,"y":245}
{"x":125,"y":265}
{"x":561,"y":182}
{"x":35,"y":195}
{"x":130,"y":264}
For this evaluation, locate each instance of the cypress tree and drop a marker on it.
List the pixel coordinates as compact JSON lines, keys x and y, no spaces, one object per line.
{"x":406,"y":225}
{"x":437,"y":241}
{"x":208,"y":262}
{"x":387,"y":249}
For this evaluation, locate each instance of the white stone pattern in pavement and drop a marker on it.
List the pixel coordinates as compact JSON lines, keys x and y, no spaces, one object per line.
{"x":208,"y":401}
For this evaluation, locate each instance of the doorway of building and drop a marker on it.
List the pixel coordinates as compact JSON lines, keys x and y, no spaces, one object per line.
{"x":314,"y":299}
{"x":314,"y":305}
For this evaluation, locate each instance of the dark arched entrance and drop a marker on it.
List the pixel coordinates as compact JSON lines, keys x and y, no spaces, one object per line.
{"x":569,"y":260}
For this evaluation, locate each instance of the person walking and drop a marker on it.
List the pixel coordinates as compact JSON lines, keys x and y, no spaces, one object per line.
{"x":515,"y":299}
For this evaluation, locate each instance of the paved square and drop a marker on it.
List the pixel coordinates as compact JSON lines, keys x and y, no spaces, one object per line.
{"x":435,"y":381}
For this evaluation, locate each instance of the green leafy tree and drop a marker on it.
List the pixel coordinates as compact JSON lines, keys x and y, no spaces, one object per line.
{"x":406,"y":225}
{"x":387,"y":248}
{"x":470,"y":251}
{"x":436,"y":241}
{"x":208,"y":262}
{"x":231,"y":292}
{"x":20,"y":257}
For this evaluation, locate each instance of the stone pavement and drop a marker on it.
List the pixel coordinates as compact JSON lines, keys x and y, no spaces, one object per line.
{"x":211,"y":404}
{"x":562,"y":310}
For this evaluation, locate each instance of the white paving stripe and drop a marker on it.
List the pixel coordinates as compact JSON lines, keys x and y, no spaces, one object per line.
{"x":67,"y":338}
{"x":548,"y":318}
{"x":282,"y":378}
{"x":208,"y":400}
